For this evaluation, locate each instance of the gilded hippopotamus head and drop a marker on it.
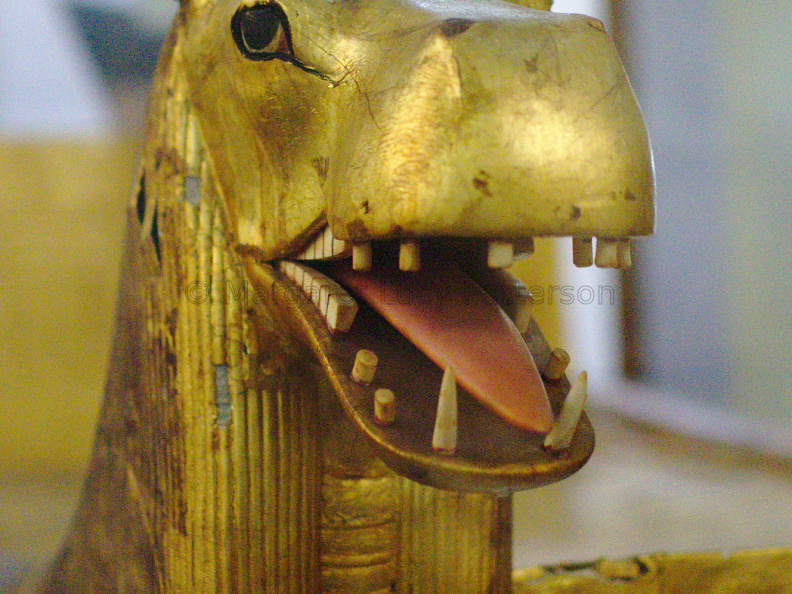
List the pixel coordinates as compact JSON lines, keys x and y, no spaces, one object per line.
{"x":390,"y":158}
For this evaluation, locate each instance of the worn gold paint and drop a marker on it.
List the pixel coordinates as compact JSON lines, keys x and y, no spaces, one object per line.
{"x":291,"y":490}
{"x":248,"y":506}
{"x":761,"y":572}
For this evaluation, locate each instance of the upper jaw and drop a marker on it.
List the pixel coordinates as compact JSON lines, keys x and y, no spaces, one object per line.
{"x":546,"y":140}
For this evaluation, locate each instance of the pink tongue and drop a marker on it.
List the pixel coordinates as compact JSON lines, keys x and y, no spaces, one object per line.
{"x":454,"y":322}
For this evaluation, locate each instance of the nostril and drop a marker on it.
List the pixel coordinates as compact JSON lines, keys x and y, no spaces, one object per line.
{"x":453,"y":27}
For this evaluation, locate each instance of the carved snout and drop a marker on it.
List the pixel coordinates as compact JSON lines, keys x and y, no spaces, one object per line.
{"x":504,"y":129}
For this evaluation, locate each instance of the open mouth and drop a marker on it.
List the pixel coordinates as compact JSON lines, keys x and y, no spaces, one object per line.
{"x":432,"y":351}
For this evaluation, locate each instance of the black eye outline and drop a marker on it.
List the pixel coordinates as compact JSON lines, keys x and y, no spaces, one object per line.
{"x":261,"y":33}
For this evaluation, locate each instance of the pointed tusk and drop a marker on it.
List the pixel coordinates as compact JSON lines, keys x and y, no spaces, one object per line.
{"x":560,"y":436}
{"x":410,"y":256}
{"x":444,"y":438}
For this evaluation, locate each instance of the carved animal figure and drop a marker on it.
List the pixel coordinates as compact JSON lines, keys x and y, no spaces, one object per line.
{"x":331,"y":189}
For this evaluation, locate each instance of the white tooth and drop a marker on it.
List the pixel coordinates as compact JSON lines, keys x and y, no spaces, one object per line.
{"x":384,"y":406}
{"x":341,"y":310}
{"x":556,"y":364}
{"x":298,"y":274}
{"x":333,"y":302}
{"x":288,"y":268}
{"x":523,"y":248}
{"x":339,"y":247}
{"x":624,"y":254}
{"x":309,"y":253}
{"x":327,"y":243}
{"x":410,"y":256}
{"x":444,"y":438}
{"x":582,"y":250}
{"x":560,"y":436}
{"x":325,"y":246}
{"x":361,"y":256}
{"x":365,"y":366}
{"x":324,"y":298}
{"x":317,"y":245}
{"x":335,"y":248}
{"x":607,"y":253}
{"x":310,"y":286}
{"x":500,"y":254}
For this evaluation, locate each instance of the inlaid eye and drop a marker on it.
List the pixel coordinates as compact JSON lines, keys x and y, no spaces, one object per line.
{"x":261,"y":32}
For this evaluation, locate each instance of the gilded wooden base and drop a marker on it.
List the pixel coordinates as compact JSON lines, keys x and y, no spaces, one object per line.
{"x":746,"y":572}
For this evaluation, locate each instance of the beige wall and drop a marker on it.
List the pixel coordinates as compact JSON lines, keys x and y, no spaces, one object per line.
{"x":62,"y":206}
{"x":715,"y":282}
{"x":756,"y":72}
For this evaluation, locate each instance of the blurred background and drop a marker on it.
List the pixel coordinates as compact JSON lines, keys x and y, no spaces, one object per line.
{"x":693,"y":431}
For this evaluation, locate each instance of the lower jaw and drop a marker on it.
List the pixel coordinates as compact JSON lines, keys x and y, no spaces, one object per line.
{"x":491,"y":454}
